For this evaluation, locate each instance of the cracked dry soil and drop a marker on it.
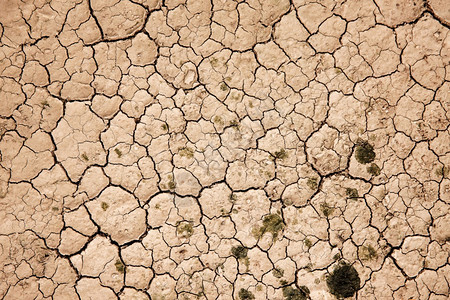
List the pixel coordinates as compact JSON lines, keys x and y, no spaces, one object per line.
{"x":224,"y":149}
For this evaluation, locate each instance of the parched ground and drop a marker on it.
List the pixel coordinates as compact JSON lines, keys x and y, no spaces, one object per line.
{"x":224,"y":149}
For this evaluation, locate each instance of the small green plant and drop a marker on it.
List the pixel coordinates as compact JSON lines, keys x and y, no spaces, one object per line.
{"x":307,"y":243}
{"x":344,"y":281}
{"x":185,"y":229}
{"x":104,"y":206}
{"x":368,"y":253}
{"x":326,"y":209}
{"x":240,"y":252}
{"x":120,"y":267}
{"x":272,"y":223}
{"x":118,"y":152}
{"x":374,"y":169}
{"x":291,"y":293}
{"x":277,"y":272}
{"x":352,"y":193}
{"x":245,"y":295}
{"x":312,"y":183}
{"x":364,"y":152}
{"x":84,"y":157}
{"x":186,"y":151}
{"x":282,"y":154}
{"x":164,"y":127}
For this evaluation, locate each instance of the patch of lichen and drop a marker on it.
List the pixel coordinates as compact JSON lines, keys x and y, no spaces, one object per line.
{"x":344,"y":281}
{"x":291,"y":293}
{"x":104,"y":206}
{"x":245,"y":295}
{"x":272,"y":223}
{"x":282,"y":154}
{"x":186,"y":152}
{"x":278,"y":272}
{"x":368,"y":253}
{"x":374,"y":169}
{"x":326,"y":209}
{"x":239,"y":252}
{"x":351,"y":193}
{"x":442,"y":171}
{"x":185,"y":229}
{"x":364,"y":152}
{"x":120,"y":267}
{"x":312,"y":183}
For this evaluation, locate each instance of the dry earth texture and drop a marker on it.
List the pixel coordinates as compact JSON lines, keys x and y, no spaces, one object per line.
{"x":224,"y":149}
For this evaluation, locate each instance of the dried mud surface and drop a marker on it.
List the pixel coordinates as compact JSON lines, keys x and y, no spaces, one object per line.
{"x":224,"y":149}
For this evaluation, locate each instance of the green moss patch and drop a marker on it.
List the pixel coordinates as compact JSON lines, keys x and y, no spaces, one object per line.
{"x":364,"y":153}
{"x":374,"y":169}
{"x":104,"y":206}
{"x":272,"y":223}
{"x":291,"y":293}
{"x":120,"y":267}
{"x":352,"y":193}
{"x":282,"y":154}
{"x":245,"y":295}
{"x":313,"y":183}
{"x":344,"y":281}
{"x":240,"y":252}
{"x":185,"y":229}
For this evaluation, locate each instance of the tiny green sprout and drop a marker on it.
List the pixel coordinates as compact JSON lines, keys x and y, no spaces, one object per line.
{"x":186,"y":152}
{"x":84,"y":157}
{"x":282,"y":154}
{"x":185,"y":229}
{"x":278,"y":272}
{"x":223,"y":87}
{"x":364,"y":152}
{"x":157,"y":206}
{"x":352,"y":193}
{"x":54,"y":208}
{"x":104,"y":206}
{"x":120,"y":267}
{"x":312,"y":183}
{"x":307,"y":243}
{"x":240,"y":252}
{"x":344,"y":281}
{"x":118,"y":152}
{"x":338,"y":70}
{"x":245,"y":295}
{"x":326,"y":209}
{"x":164,"y":127}
{"x":291,"y":293}
{"x":374,"y":169}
